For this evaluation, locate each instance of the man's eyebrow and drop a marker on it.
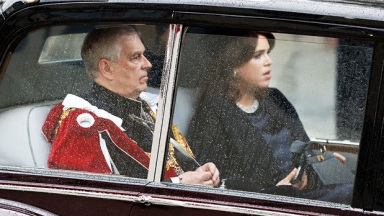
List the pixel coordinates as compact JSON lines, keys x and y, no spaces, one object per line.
{"x":137,"y":53}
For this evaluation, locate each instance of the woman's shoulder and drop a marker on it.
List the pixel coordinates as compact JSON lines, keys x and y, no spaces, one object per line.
{"x":276,"y":96}
{"x":274,"y":92}
{"x":280,"y":101}
{"x":216,"y":101}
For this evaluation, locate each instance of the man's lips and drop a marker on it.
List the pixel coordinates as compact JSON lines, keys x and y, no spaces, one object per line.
{"x":144,"y":79}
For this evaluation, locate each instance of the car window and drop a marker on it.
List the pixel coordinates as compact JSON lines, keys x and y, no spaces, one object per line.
{"x":244,"y":98}
{"x":37,"y":129}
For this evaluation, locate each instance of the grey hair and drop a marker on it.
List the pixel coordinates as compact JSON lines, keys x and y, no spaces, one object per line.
{"x":103,"y":43}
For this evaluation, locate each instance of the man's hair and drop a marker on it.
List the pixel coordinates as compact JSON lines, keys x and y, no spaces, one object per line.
{"x":103,"y":43}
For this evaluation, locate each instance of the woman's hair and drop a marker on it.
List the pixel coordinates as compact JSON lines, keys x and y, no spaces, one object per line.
{"x":232,"y":49}
{"x":103,"y":43}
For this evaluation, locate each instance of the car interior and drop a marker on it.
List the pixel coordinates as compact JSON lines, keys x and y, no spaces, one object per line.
{"x":27,"y":98}
{"x":47,"y":73}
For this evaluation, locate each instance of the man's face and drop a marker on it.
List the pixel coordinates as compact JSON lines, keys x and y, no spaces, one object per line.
{"x":130,"y":70}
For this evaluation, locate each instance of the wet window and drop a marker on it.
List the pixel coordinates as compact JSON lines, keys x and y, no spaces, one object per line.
{"x":65,"y":101}
{"x":53,"y":49}
{"x":244,"y":98}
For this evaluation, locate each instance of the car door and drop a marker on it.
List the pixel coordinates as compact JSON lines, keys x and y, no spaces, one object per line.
{"x":41,"y":64}
{"x":336,"y":79}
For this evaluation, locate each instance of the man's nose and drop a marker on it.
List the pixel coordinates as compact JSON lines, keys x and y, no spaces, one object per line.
{"x":147,"y":64}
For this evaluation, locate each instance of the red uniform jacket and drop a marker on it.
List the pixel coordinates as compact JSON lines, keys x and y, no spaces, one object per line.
{"x":76,"y":141}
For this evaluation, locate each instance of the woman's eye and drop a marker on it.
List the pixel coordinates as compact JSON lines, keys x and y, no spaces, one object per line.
{"x":257,"y":56}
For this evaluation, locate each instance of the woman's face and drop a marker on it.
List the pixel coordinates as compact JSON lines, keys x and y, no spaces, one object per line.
{"x":256,"y":73}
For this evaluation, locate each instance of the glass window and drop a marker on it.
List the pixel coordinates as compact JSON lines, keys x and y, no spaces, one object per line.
{"x":244,"y":97}
{"x":66,"y":101}
{"x":53,"y":49}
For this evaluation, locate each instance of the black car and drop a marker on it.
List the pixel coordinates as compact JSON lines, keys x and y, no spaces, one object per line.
{"x":327,"y":61}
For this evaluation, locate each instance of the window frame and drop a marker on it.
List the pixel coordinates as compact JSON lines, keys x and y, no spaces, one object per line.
{"x":163,"y":118}
{"x":365,"y":180}
{"x":52,"y":15}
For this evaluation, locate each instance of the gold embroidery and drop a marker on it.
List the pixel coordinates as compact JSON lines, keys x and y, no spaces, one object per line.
{"x":172,"y":161}
{"x":63,"y":115}
{"x":181,"y":139}
{"x":149,"y":109}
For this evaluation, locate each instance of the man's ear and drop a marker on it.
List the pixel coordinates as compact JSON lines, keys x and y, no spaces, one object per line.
{"x":106,"y":69}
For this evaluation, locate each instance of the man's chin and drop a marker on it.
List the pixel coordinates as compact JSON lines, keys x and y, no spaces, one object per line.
{"x":144,"y":88}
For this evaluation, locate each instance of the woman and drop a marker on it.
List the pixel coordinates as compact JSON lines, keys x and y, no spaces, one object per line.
{"x":241,"y":124}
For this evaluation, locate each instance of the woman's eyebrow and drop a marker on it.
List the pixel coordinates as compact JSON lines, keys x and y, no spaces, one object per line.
{"x":261,"y":51}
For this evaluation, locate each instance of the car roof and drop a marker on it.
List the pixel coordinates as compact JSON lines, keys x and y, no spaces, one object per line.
{"x":350,"y":9}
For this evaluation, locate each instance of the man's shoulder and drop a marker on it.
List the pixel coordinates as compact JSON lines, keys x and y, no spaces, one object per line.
{"x":73,"y":102}
{"x":97,"y":101}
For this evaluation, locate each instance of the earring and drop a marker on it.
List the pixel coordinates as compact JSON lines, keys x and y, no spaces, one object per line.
{"x":234,"y":73}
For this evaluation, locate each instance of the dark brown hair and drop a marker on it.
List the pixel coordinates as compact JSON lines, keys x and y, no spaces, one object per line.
{"x":232,"y":50}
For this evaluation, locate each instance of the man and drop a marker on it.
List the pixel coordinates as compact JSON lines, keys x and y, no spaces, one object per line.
{"x":109,"y":130}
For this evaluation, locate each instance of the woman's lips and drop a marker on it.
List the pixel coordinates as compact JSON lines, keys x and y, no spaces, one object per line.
{"x":267,"y":74}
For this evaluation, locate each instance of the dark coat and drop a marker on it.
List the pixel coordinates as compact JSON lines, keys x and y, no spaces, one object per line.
{"x":122,"y":107}
{"x":252,"y":153}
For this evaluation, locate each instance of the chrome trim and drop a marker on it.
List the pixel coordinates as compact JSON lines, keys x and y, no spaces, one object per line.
{"x":165,"y":104}
{"x":335,"y":142}
{"x":80,"y":193}
{"x":147,"y":200}
{"x":60,"y":173}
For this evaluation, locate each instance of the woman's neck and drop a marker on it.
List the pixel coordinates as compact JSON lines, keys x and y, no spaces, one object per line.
{"x":246,"y":99}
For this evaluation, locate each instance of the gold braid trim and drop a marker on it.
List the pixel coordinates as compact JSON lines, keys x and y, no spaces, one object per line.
{"x":63,"y":115}
{"x":172,"y":162}
{"x":181,"y":139}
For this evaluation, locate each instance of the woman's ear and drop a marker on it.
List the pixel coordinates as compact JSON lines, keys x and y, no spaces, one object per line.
{"x":106,"y":69}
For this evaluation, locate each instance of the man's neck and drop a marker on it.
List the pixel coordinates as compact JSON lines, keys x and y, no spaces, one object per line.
{"x":107,"y":85}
